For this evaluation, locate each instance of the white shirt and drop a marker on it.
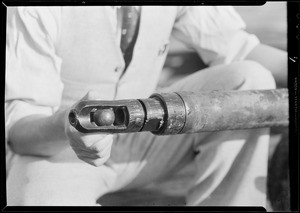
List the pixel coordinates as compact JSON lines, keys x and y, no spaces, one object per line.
{"x":54,"y":55}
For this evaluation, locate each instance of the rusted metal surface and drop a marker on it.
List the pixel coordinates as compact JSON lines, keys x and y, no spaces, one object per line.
{"x":174,"y":113}
{"x":229,"y":110}
{"x":186,"y":112}
{"x":154,"y":114}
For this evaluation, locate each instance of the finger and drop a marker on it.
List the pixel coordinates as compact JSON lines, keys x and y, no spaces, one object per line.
{"x":85,"y":97}
{"x":90,"y":95}
{"x":96,"y":140}
{"x":99,"y":145}
{"x":91,"y":154}
{"x":104,"y":153}
{"x":100,"y":161}
{"x":86,"y":159}
{"x":93,"y":162}
{"x":85,"y":154}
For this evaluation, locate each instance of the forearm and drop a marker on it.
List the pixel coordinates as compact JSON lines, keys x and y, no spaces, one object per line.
{"x":39,"y":135}
{"x":274,"y":60}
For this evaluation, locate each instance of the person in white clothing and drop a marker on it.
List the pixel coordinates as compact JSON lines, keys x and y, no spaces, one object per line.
{"x":57,"y":56}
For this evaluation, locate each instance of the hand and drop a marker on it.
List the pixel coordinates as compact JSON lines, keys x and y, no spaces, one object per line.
{"x":93,"y":148}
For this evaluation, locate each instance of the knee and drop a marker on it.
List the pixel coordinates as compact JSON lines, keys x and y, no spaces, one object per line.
{"x":256,"y":76}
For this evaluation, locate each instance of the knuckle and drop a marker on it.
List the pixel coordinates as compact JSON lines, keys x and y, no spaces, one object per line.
{"x":100,"y":155}
{"x":100,"y":161}
{"x":96,"y":148}
{"x":103,"y":155}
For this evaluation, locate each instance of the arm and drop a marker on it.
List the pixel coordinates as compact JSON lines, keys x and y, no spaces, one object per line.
{"x":217,"y":33}
{"x":33,"y":90}
{"x":39,"y":134}
{"x":224,"y":24}
{"x":42,"y":135}
{"x":32,"y":86}
{"x":273,"y":59}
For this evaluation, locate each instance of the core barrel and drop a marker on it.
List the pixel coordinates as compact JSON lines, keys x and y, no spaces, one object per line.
{"x":184,"y":112}
{"x":231,"y":110}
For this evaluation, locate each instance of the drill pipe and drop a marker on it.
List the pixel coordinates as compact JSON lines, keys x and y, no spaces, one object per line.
{"x":185,"y":112}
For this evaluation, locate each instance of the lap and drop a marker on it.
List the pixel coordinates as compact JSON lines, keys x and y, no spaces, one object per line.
{"x":136,"y":159}
{"x":61,"y":180}
{"x":146,"y":157}
{"x":141,"y":158}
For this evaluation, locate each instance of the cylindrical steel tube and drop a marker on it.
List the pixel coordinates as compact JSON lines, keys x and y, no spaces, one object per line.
{"x":154,"y":114}
{"x":229,"y":110}
{"x":174,"y":113}
{"x":184,"y":112}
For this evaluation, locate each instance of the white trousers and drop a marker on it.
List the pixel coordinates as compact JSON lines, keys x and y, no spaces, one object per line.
{"x":231,"y":166}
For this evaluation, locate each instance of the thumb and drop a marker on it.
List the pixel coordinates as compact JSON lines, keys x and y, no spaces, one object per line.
{"x":90,"y":95}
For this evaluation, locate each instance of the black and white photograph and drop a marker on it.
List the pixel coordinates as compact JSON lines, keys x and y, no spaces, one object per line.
{"x":147,"y":105}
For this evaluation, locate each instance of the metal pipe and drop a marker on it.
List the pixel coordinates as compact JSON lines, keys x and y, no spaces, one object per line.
{"x":184,"y":112}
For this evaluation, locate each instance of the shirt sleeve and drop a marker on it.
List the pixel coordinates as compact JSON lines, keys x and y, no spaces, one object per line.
{"x":32,"y":84}
{"x":217,"y":33}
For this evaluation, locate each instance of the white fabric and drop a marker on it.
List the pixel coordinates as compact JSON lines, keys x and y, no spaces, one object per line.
{"x":215,"y":33}
{"x":40,"y":38}
{"x":231,"y":166}
{"x":55,"y":55}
